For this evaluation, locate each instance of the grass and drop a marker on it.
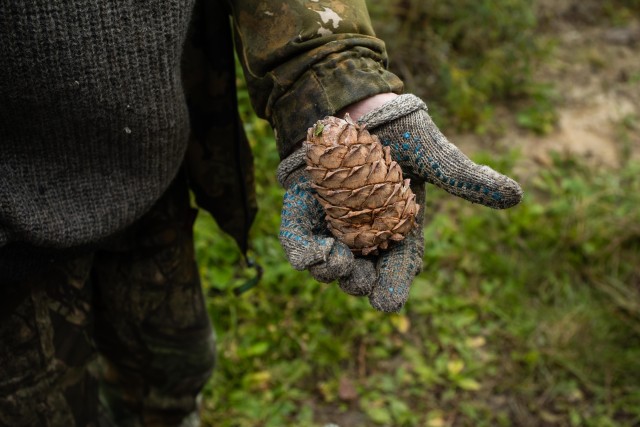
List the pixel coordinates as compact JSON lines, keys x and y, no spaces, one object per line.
{"x":525,"y":317}
{"x":465,"y":56}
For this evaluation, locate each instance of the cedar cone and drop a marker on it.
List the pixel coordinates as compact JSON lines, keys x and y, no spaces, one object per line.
{"x":368,"y":204}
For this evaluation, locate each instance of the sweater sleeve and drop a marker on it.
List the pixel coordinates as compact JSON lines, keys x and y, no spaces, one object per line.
{"x":306,"y":59}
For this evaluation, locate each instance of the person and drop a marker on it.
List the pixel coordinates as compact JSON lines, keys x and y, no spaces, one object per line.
{"x":110,"y":113}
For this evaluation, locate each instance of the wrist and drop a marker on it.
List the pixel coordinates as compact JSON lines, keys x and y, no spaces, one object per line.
{"x":360,"y":108}
{"x":398,"y":107}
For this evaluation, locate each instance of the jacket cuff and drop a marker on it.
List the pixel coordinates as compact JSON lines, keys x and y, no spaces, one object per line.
{"x":337,"y":81}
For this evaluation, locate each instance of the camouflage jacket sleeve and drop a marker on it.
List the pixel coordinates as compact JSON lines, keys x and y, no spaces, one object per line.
{"x":305,"y":59}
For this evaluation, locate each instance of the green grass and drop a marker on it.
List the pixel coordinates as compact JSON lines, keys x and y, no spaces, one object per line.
{"x":529,"y":316}
{"x":525,"y":317}
{"x":465,"y":57}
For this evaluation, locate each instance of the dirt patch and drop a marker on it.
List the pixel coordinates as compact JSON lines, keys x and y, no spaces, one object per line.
{"x":596,"y":74}
{"x":591,"y":130}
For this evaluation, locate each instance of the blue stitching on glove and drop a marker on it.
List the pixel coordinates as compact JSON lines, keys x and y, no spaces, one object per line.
{"x":398,"y":147}
{"x":296,"y":237}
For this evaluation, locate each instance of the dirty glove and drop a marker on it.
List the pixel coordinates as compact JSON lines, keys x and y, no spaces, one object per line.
{"x":308,"y":244}
{"x":397,"y":266}
{"x":425,"y":155}
{"x":306,"y":239}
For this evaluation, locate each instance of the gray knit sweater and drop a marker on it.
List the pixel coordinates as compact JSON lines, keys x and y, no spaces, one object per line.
{"x":93,"y":122}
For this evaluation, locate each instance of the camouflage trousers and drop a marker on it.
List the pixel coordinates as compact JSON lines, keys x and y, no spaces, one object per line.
{"x":116,"y":337}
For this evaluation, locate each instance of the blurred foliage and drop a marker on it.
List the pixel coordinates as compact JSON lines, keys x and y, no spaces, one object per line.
{"x":525,"y":317}
{"x":464,"y":56}
{"x":613,"y":12}
{"x":468,"y":57}
{"x":529,"y":316}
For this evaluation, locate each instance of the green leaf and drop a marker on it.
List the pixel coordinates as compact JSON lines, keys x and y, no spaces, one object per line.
{"x":469,"y":384}
{"x":455,"y":366}
{"x":379,"y":415}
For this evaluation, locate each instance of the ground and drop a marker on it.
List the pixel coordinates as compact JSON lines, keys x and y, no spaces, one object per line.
{"x":595,"y":72}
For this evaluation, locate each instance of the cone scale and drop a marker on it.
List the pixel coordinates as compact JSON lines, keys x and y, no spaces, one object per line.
{"x":367,"y":202}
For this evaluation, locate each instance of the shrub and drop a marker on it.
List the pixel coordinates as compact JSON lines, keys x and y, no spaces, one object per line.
{"x":461,"y":55}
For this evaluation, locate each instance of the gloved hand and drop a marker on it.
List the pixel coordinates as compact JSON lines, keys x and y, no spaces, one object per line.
{"x":306,"y":239}
{"x":425,"y":155}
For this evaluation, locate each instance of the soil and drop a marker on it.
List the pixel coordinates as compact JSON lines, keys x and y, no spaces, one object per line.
{"x":595,"y":71}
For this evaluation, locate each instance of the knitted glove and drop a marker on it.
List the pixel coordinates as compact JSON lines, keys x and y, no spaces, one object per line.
{"x":308,"y":244}
{"x":425,"y":155}
{"x":306,"y":240}
{"x":398,"y":266}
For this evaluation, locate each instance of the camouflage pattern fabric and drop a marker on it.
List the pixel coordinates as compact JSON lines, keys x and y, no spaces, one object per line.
{"x":219,"y":159}
{"x":125,"y":325}
{"x":304,"y":60}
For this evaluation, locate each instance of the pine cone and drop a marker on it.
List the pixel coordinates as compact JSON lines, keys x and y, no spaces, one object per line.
{"x":367,"y":202}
